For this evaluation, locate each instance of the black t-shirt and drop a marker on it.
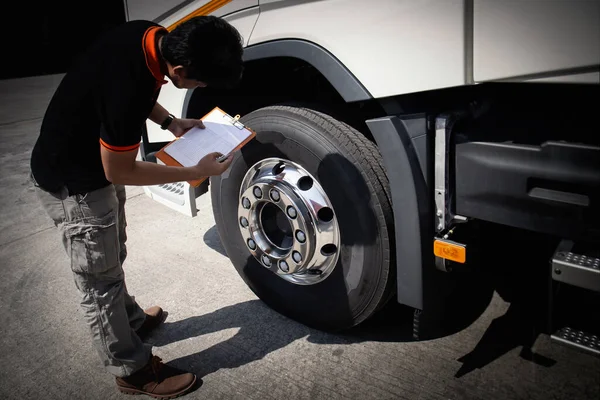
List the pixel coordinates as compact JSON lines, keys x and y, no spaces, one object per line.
{"x":103,"y":100}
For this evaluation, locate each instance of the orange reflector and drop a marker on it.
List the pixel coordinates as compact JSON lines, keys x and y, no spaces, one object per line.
{"x":450,"y":251}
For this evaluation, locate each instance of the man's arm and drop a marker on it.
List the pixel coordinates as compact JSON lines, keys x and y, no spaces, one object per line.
{"x":158,"y":114}
{"x":178,"y":126}
{"x":123,"y":168}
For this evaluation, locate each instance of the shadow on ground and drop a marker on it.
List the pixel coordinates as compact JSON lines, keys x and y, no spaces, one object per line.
{"x":519,"y":281}
{"x":514,"y":271}
{"x":212,"y":240}
{"x":260,"y":331}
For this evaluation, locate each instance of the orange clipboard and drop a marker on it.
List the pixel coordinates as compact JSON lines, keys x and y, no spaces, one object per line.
{"x":170,"y":161}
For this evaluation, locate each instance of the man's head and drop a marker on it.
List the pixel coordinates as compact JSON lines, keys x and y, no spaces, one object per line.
{"x":203,"y":51}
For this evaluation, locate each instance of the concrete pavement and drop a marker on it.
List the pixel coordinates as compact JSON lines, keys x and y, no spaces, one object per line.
{"x":216,"y":326}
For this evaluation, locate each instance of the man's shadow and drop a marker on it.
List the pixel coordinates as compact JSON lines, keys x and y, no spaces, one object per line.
{"x":260,"y":331}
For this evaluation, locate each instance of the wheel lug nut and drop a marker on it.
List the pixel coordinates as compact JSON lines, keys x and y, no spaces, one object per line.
{"x":283,"y":265}
{"x":257,"y":192}
{"x":244,"y":222}
{"x":297,"y":256}
{"x":246,"y":203}
{"x":252,"y":244}
{"x":300,"y":236}
{"x":291,"y":212}
{"x":266,"y":260}
{"x":275,"y":195}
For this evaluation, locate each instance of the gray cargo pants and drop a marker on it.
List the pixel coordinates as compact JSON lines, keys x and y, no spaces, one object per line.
{"x":92,"y":227}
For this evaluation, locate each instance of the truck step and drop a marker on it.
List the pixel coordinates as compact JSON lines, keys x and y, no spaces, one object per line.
{"x":579,"y":339}
{"x":574,"y":268}
{"x":179,"y":196}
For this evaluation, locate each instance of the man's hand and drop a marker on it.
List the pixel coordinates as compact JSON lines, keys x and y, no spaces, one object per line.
{"x":180,"y":126}
{"x":209,"y":166}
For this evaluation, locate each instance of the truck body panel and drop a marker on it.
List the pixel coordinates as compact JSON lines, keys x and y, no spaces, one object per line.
{"x":525,"y":39}
{"x":391,"y":46}
{"x":168,"y":12}
{"x":151,"y":10}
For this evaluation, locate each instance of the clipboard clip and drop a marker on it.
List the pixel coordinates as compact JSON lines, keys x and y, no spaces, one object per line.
{"x":235,"y":121}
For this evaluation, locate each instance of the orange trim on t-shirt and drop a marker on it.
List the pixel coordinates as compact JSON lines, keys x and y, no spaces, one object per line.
{"x":118,"y":149}
{"x":150,"y":47}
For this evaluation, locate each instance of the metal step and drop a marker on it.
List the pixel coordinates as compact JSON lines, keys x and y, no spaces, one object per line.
{"x":575,"y":269}
{"x":579,"y":339}
{"x":179,"y":196}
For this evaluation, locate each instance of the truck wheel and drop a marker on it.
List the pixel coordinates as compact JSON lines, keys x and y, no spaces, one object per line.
{"x":305,"y":216}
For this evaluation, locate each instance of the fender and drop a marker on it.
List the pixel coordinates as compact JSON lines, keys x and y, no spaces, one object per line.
{"x":330,"y":67}
{"x":403,"y":146}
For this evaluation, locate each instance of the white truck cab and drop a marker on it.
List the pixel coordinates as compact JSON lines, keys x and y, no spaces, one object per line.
{"x":392,"y":136}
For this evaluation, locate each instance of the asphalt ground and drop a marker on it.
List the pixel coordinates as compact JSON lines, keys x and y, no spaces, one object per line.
{"x":217,"y":328}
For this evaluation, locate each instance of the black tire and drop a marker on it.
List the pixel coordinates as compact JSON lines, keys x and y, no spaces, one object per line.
{"x":348,"y":167}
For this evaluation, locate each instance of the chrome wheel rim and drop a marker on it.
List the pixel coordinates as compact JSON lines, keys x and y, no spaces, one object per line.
{"x":287,"y":222}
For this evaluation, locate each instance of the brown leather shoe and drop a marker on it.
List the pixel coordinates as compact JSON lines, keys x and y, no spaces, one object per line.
{"x":157,"y":380}
{"x":154,"y":317}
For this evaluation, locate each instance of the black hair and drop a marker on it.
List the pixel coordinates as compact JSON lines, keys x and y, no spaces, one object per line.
{"x":209,"y":48}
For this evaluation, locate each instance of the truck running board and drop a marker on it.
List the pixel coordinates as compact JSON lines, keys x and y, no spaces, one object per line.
{"x":577,"y":267}
{"x":579,"y":339}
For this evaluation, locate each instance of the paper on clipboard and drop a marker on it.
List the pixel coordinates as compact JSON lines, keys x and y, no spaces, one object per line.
{"x":222,"y":134}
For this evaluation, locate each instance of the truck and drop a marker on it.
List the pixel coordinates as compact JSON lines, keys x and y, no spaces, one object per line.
{"x":402,"y":145}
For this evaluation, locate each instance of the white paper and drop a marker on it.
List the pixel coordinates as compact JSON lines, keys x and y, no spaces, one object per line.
{"x":220,"y":135}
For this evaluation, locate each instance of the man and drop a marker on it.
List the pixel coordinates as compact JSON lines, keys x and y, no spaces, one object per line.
{"x":86,"y":153}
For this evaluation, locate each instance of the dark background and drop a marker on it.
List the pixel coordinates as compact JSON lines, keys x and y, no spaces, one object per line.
{"x":44,"y":37}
